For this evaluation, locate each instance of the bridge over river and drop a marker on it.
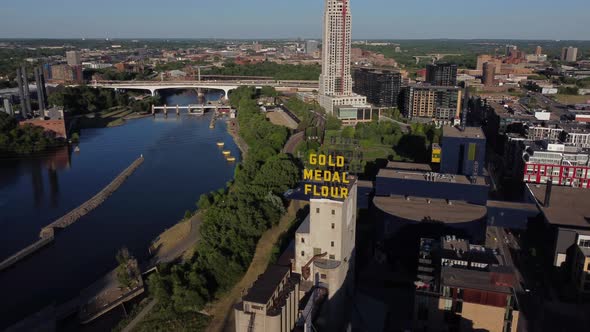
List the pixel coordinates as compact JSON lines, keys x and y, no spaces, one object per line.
{"x":225,"y":86}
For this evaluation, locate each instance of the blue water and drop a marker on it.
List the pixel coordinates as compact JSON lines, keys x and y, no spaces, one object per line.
{"x":182,"y":162}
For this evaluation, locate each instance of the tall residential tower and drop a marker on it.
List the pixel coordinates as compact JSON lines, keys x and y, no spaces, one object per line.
{"x":336,"y":80}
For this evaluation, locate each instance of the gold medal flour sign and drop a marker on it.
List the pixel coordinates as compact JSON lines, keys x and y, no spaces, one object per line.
{"x":335,"y":183}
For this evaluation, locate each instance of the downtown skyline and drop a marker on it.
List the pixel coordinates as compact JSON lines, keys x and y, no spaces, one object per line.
{"x":266,"y":19}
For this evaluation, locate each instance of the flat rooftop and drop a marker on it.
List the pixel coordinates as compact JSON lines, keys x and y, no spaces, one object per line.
{"x":409,"y":166}
{"x":513,"y":206}
{"x":467,"y":132}
{"x":365,"y":184}
{"x":419,"y":209}
{"x":473,"y":279}
{"x":267,"y":283}
{"x":568,"y":207}
{"x":424,"y":176}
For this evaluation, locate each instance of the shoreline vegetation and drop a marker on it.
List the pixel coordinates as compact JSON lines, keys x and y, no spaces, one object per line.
{"x":24,"y":140}
{"x":233,"y":221}
{"x":114,"y":117}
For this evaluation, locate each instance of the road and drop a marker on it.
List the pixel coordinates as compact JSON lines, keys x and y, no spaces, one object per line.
{"x":293,"y":142}
{"x":557,"y":108}
{"x":187,"y":242}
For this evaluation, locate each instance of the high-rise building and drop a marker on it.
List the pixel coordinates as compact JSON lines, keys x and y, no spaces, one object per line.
{"x":311,"y":47}
{"x":489,"y":72}
{"x":382,"y":87}
{"x":336,"y":79}
{"x":481,"y":59}
{"x":569,"y":54}
{"x":442,"y":74}
{"x":440,"y":103}
{"x":511,"y":50}
{"x":67,"y":73}
{"x":73,"y":58}
{"x":538,"y":50}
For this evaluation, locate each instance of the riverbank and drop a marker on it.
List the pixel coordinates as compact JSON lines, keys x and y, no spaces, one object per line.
{"x":233,"y":128}
{"x":113,"y":117}
{"x":178,"y":241}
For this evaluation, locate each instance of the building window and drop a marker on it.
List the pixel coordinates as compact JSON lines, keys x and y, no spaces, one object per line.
{"x":302,"y":240}
{"x":448,"y":304}
{"x":323,"y":276}
{"x":317,"y":210}
{"x":332,"y":243}
{"x":333,"y":212}
{"x":317,"y":251}
{"x":446,"y":291}
{"x":302,"y":253}
{"x":332,"y":257}
{"x":333,"y":225}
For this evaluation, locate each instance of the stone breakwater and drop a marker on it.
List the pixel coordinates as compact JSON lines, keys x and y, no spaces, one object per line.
{"x":73,"y":216}
{"x":47,"y":234}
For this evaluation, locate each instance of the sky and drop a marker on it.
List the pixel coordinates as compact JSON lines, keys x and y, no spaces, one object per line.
{"x":248,"y":19}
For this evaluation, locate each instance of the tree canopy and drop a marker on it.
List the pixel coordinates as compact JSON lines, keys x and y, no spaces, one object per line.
{"x":15,"y":139}
{"x":234,"y":218}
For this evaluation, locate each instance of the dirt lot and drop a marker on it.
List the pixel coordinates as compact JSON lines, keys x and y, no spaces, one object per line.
{"x":282,"y":119}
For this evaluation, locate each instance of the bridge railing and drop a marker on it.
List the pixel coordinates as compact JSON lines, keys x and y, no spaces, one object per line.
{"x":209,"y":82}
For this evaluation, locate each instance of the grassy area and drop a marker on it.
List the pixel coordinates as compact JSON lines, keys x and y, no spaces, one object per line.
{"x":572,"y":99}
{"x":160,"y":318}
{"x":370,"y":149}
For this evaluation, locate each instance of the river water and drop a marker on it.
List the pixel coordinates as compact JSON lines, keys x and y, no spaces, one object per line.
{"x":182,"y":162}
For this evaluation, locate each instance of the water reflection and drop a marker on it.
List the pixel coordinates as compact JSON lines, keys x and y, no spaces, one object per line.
{"x":182,"y":162}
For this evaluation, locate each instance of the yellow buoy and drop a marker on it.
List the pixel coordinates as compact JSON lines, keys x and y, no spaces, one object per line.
{"x":220,"y":144}
{"x":226,"y":153}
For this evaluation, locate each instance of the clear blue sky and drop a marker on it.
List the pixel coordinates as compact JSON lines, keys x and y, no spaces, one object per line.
{"x":372,"y":19}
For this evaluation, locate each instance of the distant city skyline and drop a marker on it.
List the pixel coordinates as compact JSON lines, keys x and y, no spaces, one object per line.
{"x":267,"y":19}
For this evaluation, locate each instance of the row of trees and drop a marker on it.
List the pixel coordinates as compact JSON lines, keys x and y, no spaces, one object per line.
{"x":15,"y":139}
{"x":85,"y":99}
{"x":234,"y":218}
{"x":271,"y":69}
